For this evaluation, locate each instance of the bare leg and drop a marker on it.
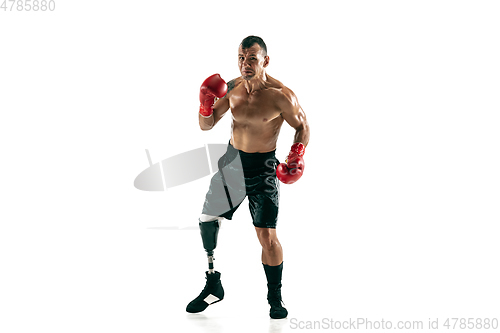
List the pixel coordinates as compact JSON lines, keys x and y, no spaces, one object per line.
{"x":272,"y":253}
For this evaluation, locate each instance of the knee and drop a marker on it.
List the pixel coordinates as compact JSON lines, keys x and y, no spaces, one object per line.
{"x":269,"y":241}
{"x":209,"y":218}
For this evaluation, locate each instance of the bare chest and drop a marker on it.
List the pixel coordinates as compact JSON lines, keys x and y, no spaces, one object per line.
{"x":255,"y":108}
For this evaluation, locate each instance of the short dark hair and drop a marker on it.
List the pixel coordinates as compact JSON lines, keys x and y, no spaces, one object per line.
{"x":250,"y":40}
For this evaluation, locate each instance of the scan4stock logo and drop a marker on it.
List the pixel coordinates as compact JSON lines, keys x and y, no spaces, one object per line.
{"x":179,"y":170}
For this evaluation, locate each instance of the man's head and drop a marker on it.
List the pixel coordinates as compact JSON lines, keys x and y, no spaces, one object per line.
{"x":252,"y":57}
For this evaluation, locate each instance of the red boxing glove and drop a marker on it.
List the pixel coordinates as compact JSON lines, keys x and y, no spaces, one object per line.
{"x":213,"y":86}
{"x":290,"y":172}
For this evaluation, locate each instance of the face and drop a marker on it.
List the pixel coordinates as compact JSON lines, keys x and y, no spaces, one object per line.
{"x":252,"y":62}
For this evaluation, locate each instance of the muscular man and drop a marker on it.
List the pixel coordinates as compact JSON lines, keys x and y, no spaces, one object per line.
{"x":259,"y":105}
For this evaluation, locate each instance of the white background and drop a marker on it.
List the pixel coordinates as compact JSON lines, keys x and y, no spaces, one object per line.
{"x":395,"y":218}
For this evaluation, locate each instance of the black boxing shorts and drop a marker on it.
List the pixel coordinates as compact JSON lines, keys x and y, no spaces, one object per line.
{"x":242,"y":175}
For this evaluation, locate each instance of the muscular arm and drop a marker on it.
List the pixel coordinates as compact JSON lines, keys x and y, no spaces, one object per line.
{"x":295,"y":117}
{"x":220,"y":108}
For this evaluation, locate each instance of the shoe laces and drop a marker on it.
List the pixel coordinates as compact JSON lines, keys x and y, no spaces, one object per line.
{"x":274,"y":298}
{"x":208,"y":284}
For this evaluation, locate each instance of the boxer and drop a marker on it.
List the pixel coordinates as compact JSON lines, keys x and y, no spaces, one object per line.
{"x":259,"y":105}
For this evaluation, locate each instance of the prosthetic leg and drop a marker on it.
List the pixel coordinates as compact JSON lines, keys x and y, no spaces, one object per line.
{"x":213,"y":291}
{"x":209,"y":232}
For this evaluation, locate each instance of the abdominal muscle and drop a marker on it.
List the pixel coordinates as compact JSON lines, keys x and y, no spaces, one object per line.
{"x":251,"y":138}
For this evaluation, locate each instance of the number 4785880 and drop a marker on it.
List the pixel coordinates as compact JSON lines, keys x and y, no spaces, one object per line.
{"x":28,"y":5}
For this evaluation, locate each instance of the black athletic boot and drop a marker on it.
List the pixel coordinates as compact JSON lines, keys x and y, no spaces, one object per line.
{"x":212,"y":293}
{"x":273,"y":275}
{"x":274,"y":298}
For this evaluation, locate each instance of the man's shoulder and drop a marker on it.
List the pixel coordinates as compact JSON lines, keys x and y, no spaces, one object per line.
{"x":282,"y":89}
{"x":233,"y":84}
{"x":287,"y":96}
{"x":284,"y":96}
